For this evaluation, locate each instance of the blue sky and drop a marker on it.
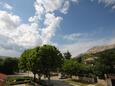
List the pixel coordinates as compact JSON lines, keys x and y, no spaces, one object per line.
{"x":74,"y":25}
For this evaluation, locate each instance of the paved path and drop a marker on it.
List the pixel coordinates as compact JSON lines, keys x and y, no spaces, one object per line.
{"x":59,"y":83}
{"x":55,"y":80}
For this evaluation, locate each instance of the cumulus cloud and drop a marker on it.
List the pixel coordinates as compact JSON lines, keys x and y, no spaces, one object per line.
{"x":6,"y":6}
{"x":51,"y":23}
{"x":17,"y":36}
{"x":73,"y":36}
{"x":65,"y":7}
{"x":45,"y":12}
{"x":113,"y":7}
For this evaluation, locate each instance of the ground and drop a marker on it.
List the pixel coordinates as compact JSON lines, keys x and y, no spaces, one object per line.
{"x":58,"y":82}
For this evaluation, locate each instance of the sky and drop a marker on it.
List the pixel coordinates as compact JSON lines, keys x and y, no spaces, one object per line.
{"x":70,"y":25}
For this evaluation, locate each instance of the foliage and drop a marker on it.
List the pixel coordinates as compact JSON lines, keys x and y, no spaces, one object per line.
{"x":70,"y":67}
{"x":105,"y":63}
{"x":82,"y":57}
{"x":29,"y":60}
{"x":41,"y":60}
{"x":9,"y":65}
{"x":67,"y":55}
{"x":50,"y":59}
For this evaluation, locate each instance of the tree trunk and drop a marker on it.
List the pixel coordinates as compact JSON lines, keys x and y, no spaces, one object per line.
{"x":34,"y":77}
{"x":39,"y":77}
{"x":49,"y":79}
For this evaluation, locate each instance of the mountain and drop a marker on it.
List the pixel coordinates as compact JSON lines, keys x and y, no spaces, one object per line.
{"x":97,"y":49}
{"x":3,"y":57}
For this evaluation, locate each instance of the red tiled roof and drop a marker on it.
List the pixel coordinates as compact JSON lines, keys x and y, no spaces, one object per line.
{"x":2,"y":77}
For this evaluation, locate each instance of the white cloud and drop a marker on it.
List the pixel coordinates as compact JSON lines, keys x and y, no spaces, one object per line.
{"x":45,"y":12}
{"x":92,"y":0}
{"x":81,"y":47}
{"x":77,"y":1}
{"x":65,"y":7}
{"x":113,"y":7}
{"x":107,"y":2}
{"x":73,"y":36}
{"x":7,"y":6}
{"x":15,"y":35}
{"x":112,"y":41}
{"x":51,"y":23}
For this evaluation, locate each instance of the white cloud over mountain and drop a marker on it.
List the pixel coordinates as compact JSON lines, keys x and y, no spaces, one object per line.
{"x":81,"y":47}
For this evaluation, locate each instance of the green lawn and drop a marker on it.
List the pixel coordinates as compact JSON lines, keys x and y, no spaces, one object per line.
{"x":17,"y":80}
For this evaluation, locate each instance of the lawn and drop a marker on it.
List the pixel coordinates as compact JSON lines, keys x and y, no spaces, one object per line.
{"x":18,"y":80}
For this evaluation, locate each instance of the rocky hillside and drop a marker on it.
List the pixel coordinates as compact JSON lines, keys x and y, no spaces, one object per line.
{"x":100,"y":48}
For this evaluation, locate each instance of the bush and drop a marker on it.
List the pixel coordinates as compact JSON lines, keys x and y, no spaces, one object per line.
{"x":18,"y":80}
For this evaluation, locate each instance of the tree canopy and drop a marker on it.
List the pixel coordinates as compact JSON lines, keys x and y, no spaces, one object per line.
{"x":67,"y":55}
{"x":41,"y":60}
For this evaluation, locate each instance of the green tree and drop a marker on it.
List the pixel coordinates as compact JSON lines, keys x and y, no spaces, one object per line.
{"x":29,"y":60}
{"x":105,"y":63}
{"x":50,"y":59}
{"x":1,"y":65}
{"x":10,"y":65}
{"x":67,"y":55}
{"x":70,"y":67}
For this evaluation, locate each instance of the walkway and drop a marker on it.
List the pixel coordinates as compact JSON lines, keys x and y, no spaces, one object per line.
{"x":59,"y":83}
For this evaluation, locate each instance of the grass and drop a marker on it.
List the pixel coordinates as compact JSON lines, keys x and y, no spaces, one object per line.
{"x":29,"y":81}
{"x":17,"y":80}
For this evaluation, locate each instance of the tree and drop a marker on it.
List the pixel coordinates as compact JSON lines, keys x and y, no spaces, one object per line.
{"x":50,"y":59}
{"x":70,"y":67}
{"x":41,"y":60}
{"x":1,"y":65}
{"x":10,"y":65}
{"x":67,"y":55}
{"x":29,"y":60}
{"x":105,"y":63}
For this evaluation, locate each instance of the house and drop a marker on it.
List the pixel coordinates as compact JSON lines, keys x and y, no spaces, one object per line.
{"x":3,"y":78}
